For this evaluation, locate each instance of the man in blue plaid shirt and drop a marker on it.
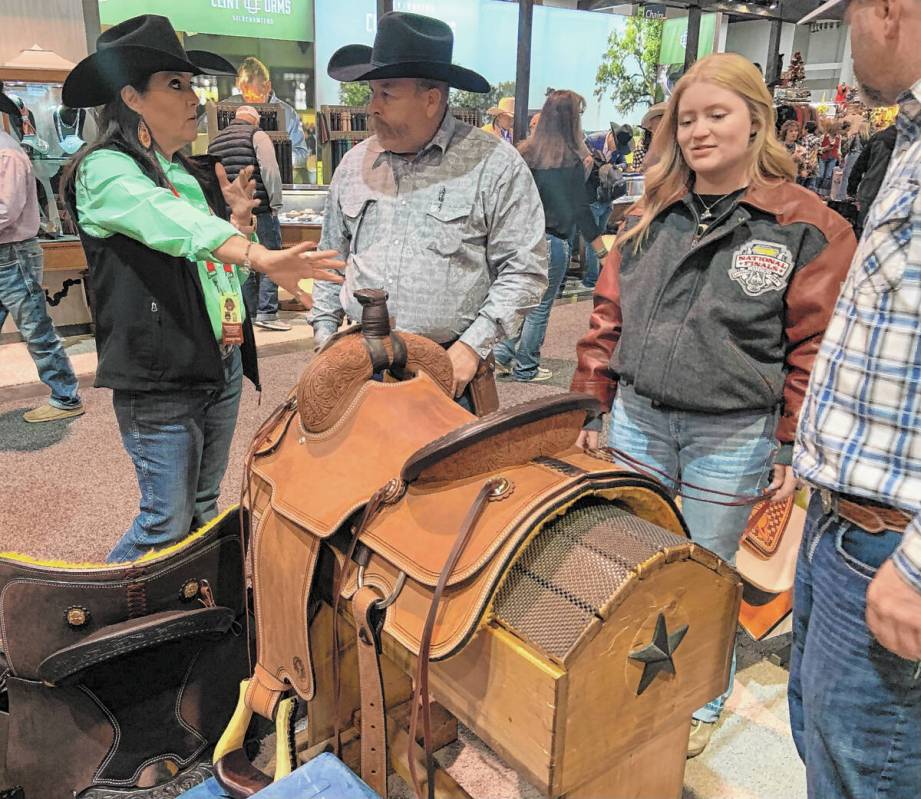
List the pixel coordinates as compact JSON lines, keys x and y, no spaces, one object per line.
{"x":855,"y":676}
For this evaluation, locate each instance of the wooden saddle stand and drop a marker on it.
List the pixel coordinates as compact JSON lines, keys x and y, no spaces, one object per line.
{"x":537,"y":591}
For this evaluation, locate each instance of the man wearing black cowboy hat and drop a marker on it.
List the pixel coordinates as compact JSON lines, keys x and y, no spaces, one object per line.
{"x":443,"y":216}
{"x":21,"y":292}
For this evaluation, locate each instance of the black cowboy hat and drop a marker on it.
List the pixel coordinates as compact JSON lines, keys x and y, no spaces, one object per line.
{"x":406,"y":46}
{"x":131,"y":51}
{"x":9,"y":107}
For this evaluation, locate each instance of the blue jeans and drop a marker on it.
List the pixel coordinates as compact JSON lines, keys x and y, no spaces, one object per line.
{"x":810,"y":183}
{"x":728,"y":452}
{"x":23,"y":298}
{"x":855,"y":707}
{"x":824,"y":176}
{"x":602,"y":212}
{"x":179,"y":442}
{"x":524,"y":350}
{"x":259,"y":292}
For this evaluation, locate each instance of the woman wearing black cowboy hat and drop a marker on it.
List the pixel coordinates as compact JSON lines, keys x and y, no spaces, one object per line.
{"x":164,"y":264}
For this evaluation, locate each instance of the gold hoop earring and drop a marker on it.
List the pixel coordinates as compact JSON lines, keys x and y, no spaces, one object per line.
{"x":144,"y":135}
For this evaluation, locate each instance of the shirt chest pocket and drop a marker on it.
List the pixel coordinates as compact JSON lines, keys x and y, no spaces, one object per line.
{"x":448,"y":225}
{"x":360,"y":217}
{"x":889,"y":242}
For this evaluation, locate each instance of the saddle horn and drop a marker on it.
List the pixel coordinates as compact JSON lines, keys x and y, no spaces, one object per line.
{"x":375,"y":318}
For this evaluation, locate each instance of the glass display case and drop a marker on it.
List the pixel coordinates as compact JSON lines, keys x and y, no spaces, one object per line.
{"x":50,"y":133}
{"x":301,"y":216}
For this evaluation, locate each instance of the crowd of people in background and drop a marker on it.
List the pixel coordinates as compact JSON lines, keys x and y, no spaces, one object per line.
{"x":842,"y":159}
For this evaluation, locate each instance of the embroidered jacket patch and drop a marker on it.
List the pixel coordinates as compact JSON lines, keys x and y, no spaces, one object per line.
{"x":761,"y":266}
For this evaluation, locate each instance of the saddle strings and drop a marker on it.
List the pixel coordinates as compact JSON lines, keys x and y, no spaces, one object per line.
{"x":612,"y":454}
{"x":651,"y":471}
{"x":421,"y":691}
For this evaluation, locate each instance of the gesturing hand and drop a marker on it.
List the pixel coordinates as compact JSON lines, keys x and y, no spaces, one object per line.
{"x":287,"y":268}
{"x":240,"y":195}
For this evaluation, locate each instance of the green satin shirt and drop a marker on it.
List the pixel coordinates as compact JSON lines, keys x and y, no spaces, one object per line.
{"x":114,"y":196}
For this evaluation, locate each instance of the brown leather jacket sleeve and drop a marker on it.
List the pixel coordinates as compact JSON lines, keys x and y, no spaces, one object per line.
{"x":593,"y":374}
{"x":810,"y":301}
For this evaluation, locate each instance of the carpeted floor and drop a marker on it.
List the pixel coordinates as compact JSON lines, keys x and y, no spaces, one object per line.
{"x":69,"y":492}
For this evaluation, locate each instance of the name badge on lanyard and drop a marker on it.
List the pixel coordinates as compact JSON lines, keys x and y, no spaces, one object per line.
{"x":231,"y":313}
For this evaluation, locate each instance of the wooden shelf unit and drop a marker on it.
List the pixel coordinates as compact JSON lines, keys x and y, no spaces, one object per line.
{"x":347,"y":126}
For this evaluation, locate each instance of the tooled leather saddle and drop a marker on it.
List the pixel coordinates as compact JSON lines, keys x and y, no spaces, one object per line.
{"x":422,"y":507}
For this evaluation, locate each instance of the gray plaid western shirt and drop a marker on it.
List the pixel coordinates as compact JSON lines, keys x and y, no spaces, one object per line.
{"x":455,"y":235}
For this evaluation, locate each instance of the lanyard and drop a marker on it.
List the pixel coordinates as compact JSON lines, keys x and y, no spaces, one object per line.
{"x":211,"y":269}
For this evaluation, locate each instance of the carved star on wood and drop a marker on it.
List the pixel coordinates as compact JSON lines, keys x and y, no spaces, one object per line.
{"x":656,"y":656}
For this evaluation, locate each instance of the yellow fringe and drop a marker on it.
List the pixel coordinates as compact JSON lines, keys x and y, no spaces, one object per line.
{"x":158,"y":554}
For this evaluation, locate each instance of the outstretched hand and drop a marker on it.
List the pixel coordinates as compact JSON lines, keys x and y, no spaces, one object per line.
{"x":240,"y":195}
{"x":288,"y":267}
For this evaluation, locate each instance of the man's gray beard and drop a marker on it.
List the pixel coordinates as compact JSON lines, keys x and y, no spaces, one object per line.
{"x":872,"y":97}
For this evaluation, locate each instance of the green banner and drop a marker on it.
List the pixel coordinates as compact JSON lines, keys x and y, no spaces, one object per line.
{"x":675,"y":36}
{"x":291,"y":20}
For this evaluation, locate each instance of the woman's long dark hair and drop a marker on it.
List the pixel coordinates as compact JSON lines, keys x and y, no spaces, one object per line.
{"x":118,"y":130}
{"x":557,"y":140}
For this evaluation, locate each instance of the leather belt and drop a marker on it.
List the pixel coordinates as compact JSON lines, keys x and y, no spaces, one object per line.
{"x":867,"y":515}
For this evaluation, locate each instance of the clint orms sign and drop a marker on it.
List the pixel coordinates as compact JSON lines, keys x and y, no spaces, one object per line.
{"x":651,"y":11}
{"x":262,"y":19}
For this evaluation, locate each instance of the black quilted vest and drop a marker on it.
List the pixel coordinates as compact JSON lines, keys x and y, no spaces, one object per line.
{"x":152,"y":327}
{"x":234,"y":147}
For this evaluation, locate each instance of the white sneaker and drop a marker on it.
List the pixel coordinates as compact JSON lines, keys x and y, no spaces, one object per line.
{"x":542,"y":376}
{"x":272,"y":324}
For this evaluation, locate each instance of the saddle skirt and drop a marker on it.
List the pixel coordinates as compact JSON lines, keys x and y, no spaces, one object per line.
{"x":92,"y":653}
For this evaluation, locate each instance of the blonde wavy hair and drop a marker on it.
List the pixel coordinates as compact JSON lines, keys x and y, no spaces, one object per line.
{"x":669,"y":177}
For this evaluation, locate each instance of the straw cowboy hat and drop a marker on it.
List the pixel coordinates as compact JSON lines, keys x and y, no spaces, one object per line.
{"x":131,"y":51}
{"x":406,"y":46}
{"x":654,"y":112}
{"x":506,"y":106}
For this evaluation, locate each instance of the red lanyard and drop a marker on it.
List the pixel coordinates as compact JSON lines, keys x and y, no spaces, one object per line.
{"x":209,"y":265}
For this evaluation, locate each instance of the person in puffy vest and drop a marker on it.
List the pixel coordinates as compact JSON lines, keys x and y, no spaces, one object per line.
{"x":239,"y":145}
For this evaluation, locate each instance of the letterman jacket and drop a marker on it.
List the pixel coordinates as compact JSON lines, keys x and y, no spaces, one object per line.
{"x":728,"y":321}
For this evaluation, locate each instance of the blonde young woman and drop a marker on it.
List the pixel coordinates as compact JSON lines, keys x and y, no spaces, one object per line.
{"x":711,"y":309}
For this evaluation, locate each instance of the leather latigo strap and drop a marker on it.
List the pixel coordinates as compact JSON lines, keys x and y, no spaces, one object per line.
{"x":421,"y":691}
{"x":871,"y":517}
{"x":370,"y":512}
{"x":483,"y":392}
{"x":373,"y":725}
